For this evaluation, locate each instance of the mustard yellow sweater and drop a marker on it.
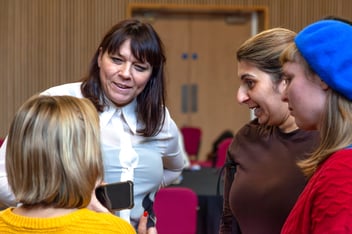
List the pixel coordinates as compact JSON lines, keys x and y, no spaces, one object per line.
{"x":80,"y":221}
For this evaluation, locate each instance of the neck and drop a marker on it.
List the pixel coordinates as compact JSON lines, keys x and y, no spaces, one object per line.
{"x":42,"y":212}
{"x":288,"y":125}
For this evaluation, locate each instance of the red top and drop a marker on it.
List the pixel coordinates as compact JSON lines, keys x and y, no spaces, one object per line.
{"x":325,"y":205}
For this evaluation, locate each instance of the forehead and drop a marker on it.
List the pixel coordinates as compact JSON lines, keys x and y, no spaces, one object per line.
{"x":292,"y":67}
{"x":128,"y":45}
{"x":299,"y":72}
{"x":247,"y":70}
{"x":245,"y":67}
{"x":125,"y":48}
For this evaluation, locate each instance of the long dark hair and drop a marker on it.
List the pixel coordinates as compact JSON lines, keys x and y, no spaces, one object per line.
{"x":146,"y":46}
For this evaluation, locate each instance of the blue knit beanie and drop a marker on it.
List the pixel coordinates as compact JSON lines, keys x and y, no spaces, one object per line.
{"x":326,"y":45}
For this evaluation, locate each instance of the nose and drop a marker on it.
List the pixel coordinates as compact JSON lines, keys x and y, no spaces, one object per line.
{"x":125,"y":70}
{"x":242,"y":95}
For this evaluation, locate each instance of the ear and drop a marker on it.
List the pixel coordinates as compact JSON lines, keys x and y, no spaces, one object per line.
{"x":323,"y":85}
{"x":317,"y":80}
{"x":100,"y":56}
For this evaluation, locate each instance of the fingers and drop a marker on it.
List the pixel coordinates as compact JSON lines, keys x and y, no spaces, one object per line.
{"x":152,"y":230}
{"x":142,"y":226}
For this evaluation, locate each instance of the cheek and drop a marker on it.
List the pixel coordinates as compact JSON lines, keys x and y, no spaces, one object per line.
{"x":265,"y":97}
{"x":104,"y":78}
{"x":291,"y":95}
{"x":140,"y":88}
{"x":107,"y":72}
{"x":294,"y":93}
{"x":141,"y":81}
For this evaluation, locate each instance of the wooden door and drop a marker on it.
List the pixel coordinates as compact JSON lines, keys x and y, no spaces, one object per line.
{"x":200,"y":50}
{"x":175,"y":33}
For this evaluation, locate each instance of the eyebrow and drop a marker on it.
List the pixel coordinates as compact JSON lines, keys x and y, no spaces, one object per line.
{"x":287,"y":73}
{"x":245,"y":75}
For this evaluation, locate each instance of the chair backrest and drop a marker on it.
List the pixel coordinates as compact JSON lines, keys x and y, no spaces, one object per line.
{"x":222,"y":151}
{"x":176,"y":210}
{"x":192,"y":139}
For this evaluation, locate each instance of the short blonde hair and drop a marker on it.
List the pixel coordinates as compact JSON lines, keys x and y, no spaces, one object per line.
{"x":292,"y":54}
{"x":53,"y":155}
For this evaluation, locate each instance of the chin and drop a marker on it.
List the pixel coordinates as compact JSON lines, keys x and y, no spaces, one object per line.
{"x":263,"y":121}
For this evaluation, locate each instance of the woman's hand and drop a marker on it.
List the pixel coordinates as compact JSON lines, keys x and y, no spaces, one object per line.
{"x":142,"y":226}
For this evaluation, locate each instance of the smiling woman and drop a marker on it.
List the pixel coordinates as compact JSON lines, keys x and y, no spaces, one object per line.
{"x":139,"y":139}
{"x":122,"y":76}
{"x":265,"y":151}
{"x":261,"y":94}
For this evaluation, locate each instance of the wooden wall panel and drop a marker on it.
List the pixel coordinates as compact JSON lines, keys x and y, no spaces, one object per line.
{"x":44,"y":43}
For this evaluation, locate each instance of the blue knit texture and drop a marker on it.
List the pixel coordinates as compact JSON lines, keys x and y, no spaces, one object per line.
{"x":327,"y":47}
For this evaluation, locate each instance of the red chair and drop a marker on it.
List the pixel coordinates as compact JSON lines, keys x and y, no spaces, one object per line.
{"x":1,"y":141}
{"x":176,"y":210}
{"x":192,"y":139}
{"x":222,"y":152}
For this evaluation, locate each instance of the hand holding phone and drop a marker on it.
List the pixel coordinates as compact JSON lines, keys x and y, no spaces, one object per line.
{"x":116,"y":196}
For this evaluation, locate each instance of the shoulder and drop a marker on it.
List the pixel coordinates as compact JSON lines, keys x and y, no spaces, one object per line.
{"x":168,"y":116}
{"x":72,"y":89}
{"x":168,"y":138}
{"x":107,"y":222}
{"x":169,"y":128}
{"x":254,"y":131}
{"x":334,"y":175}
{"x":339,"y":163}
{"x":330,"y":190}
{"x":119,"y":222}
{"x":6,"y":212}
{"x":303,"y":135}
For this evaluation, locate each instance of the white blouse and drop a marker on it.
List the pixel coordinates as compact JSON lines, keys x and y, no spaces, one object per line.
{"x":150,"y":162}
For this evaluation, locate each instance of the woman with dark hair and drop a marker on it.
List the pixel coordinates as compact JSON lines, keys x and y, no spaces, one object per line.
{"x":267,"y":181}
{"x":138,"y":137}
{"x":146,"y":48}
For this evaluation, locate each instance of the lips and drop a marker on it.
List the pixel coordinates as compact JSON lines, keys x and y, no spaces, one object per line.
{"x":121,"y":86}
{"x":257,"y":111}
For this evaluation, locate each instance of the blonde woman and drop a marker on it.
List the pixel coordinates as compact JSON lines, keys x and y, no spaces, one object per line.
{"x":318,"y":73}
{"x":54,"y":162}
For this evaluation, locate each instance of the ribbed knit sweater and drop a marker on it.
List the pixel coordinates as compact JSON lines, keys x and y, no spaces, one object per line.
{"x":80,"y":221}
{"x":325,"y":205}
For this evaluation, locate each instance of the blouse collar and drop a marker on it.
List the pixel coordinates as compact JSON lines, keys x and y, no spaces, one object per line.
{"x":128,"y":113}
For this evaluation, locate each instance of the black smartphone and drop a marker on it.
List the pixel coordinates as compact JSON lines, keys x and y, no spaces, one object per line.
{"x":116,"y":196}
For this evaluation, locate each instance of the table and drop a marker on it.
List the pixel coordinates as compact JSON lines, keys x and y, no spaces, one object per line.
{"x":204,"y":183}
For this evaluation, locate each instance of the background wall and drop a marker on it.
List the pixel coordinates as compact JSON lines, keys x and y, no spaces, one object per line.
{"x":49,"y":42}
